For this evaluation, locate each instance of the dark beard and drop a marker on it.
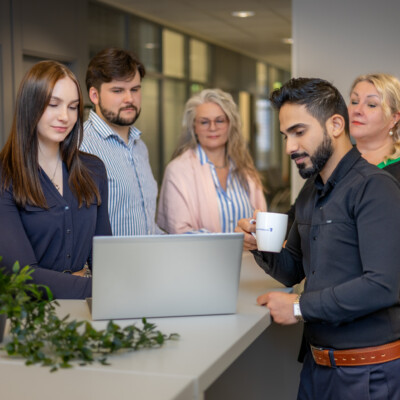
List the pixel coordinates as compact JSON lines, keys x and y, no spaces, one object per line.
{"x":320,"y":157}
{"x":116,"y":119}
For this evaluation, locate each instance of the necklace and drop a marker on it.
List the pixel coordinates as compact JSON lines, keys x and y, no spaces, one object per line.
{"x":54,"y":173}
{"x":220,"y":166}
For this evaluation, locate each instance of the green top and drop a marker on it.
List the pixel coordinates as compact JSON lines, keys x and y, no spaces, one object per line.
{"x":384,"y":164}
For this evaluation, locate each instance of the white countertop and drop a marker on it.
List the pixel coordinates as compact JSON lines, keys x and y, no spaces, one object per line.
{"x":181,"y":369}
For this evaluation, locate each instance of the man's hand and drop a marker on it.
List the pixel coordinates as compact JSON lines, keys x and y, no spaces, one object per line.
{"x":79,"y":273}
{"x":245,"y":226}
{"x":280,"y":305}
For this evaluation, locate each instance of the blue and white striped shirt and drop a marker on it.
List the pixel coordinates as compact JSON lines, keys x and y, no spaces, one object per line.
{"x":234,"y":202}
{"x":132,"y":189}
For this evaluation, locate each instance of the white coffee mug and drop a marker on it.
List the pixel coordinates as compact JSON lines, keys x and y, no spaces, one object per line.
{"x":270,"y":231}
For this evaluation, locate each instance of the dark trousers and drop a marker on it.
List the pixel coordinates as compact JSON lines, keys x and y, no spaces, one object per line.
{"x":369,"y":382}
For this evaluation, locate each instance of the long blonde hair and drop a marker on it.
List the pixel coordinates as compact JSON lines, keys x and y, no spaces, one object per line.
{"x":236,"y":148}
{"x":388,"y":87}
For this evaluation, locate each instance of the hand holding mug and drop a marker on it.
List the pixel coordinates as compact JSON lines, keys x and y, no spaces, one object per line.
{"x":270,"y":231}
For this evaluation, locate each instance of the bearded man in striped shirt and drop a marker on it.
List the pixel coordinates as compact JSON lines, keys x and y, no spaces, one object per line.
{"x":113,"y":81}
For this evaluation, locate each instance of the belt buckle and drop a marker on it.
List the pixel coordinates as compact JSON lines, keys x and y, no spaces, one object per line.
{"x":315,"y":348}
{"x":325,"y":354}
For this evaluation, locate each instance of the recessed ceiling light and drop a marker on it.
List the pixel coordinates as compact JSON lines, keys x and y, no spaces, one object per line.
{"x":287,"y":40}
{"x":243,"y":14}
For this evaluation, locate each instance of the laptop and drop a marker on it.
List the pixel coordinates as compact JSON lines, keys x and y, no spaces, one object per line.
{"x":165,"y":275}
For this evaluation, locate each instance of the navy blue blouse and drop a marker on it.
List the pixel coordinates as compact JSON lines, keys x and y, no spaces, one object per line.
{"x":58,"y":239}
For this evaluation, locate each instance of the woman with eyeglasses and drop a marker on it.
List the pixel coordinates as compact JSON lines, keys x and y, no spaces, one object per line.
{"x":211,"y":181}
{"x":53,"y":198}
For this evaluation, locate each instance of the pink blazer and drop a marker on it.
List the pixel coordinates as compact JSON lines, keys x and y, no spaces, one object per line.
{"x":188,"y":198}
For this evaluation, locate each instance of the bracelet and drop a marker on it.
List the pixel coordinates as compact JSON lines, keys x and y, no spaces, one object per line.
{"x":87,"y":273}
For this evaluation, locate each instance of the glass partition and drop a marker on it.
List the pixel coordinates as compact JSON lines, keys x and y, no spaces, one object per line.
{"x":149,"y":122}
{"x":179,"y":66}
{"x":106,"y":28}
{"x":146,"y":43}
{"x":173,"y":54}
{"x":199,"y":60}
{"x":174,"y":98}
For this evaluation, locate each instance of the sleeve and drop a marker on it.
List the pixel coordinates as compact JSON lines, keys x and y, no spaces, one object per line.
{"x":377,"y":286}
{"x":174,"y":212}
{"x":15,"y":246}
{"x":103,"y":227}
{"x":286,"y":266}
{"x":158,"y":230}
{"x":257,"y":197}
{"x":291,"y":217}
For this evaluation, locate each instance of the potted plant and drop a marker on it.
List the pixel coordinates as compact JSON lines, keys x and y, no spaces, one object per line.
{"x":41,"y":337}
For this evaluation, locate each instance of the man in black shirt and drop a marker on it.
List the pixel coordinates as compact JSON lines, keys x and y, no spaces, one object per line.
{"x":344,"y":241}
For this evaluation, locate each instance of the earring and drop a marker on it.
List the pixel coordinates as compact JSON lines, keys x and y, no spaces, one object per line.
{"x":390,"y":133}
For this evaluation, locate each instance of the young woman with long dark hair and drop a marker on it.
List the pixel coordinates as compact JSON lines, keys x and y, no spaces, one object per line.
{"x":53,"y":198}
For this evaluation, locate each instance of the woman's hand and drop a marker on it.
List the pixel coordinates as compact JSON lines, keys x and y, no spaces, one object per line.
{"x":248,"y":226}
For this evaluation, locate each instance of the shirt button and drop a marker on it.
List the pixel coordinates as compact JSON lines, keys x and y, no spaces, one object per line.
{"x":68,"y":255}
{"x":68,"y":230}
{"x":313,"y":272}
{"x":66,"y":208}
{"x":314,"y":238}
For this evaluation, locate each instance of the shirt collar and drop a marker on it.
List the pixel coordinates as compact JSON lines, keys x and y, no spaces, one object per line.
{"x":201,"y":154}
{"x":389,"y":161}
{"x":341,"y":170}
{"x":105,"y":130}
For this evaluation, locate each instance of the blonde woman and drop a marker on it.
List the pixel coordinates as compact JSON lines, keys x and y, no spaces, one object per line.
{"x":374,"y":111}
{"x":211,"y":181}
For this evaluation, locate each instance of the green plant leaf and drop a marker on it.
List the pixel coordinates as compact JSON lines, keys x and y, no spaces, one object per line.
{"x":41,"y":337}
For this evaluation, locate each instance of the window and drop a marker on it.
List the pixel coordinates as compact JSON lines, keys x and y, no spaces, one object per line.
{"x":173,"y":104}
{"x":173,"y":54}
{"x":199,"y":60}
{"x":145,"y":42}
{"x":106,"y":28}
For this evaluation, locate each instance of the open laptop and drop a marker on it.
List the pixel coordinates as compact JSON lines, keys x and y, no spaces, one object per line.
{"x":165,"y":275}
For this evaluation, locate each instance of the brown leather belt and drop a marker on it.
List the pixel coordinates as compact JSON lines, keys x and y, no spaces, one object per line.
{"x":355,"y":357}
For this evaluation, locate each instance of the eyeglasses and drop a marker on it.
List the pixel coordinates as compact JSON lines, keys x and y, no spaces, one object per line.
{"x":205,"y":124}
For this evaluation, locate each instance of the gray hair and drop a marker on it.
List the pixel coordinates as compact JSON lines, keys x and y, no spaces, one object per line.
{"x":236,"y":147}
{"x":228,"y":106}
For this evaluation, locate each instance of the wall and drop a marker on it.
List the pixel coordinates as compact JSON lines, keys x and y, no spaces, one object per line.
{"x":6,"y":69}
{"x":34,"y":30}
{"x":339,"y":40}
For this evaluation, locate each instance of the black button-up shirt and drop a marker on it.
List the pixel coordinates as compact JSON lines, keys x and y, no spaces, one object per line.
{"x":345,"y":241}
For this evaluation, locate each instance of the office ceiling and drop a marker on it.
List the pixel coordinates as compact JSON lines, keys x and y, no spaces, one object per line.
{"x":259,"y":36}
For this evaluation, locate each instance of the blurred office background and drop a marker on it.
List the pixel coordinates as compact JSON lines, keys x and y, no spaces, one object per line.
{"x":186,"y":46}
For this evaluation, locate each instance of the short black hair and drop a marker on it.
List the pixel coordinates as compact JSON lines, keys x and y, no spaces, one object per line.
{"x":321,"y":98}
{"x":112,"y":63}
